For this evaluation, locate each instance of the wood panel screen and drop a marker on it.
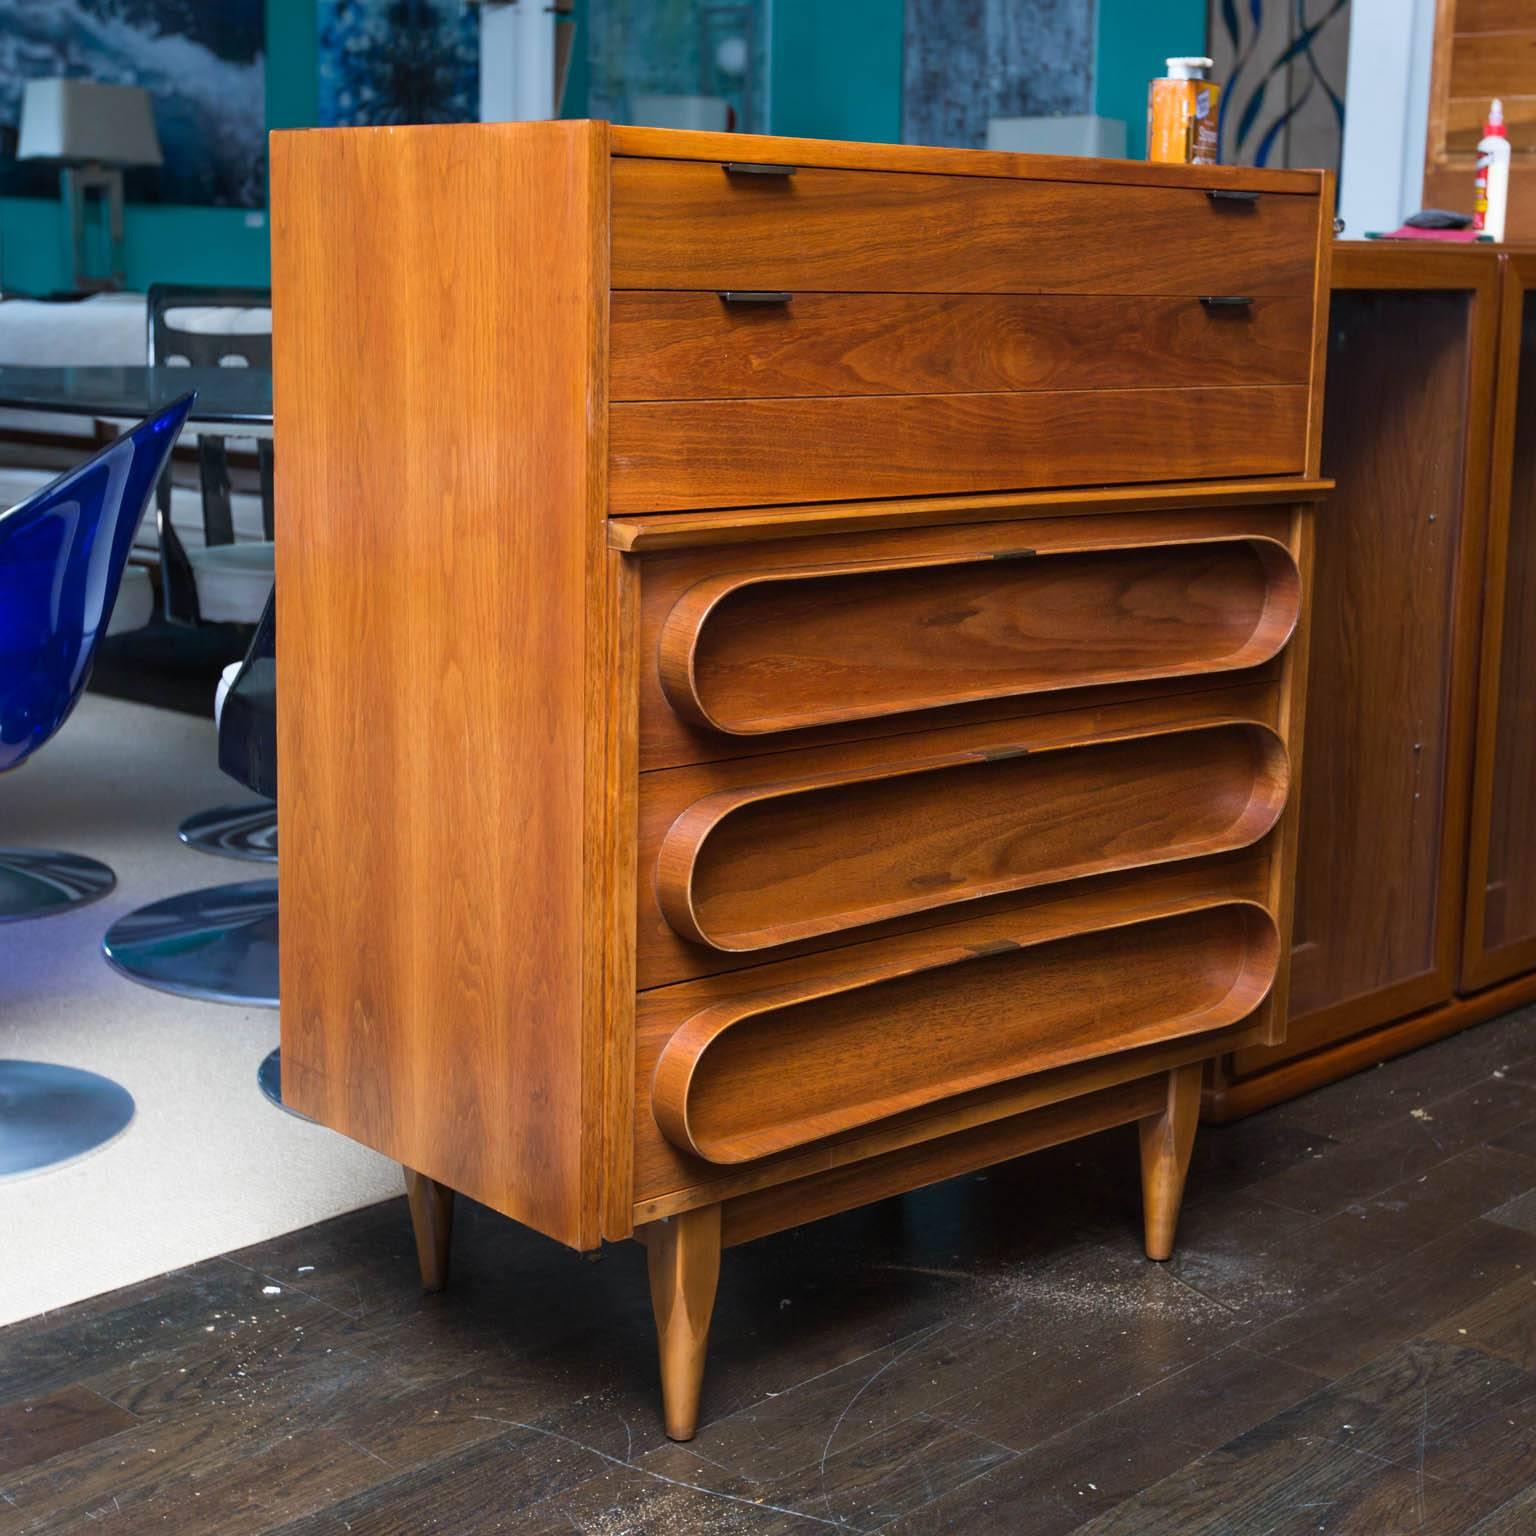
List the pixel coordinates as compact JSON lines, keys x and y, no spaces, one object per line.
{"x":1483,"y":49}
{"x":1501,"y":893}
{"x":1378,"y":742}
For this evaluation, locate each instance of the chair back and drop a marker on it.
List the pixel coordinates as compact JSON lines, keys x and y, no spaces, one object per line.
{"x":62,"y":553}
{"x":248,"y":721}
{"x":186,"y":328}
{"x":201,"y":326}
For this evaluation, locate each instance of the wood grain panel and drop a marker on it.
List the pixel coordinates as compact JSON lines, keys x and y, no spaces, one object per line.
{"x":1493,"y":16}
{"x":767,"y":651}
{"x":676,"y":456}
{"x":441,"y":1002}
{"x":695,"y":346}
{"x":1489,"y":64}
{"x":679,"y":224}
{"x":750,"y":869}
{"x":744,"y":1080}
{"x":1380,"y":796}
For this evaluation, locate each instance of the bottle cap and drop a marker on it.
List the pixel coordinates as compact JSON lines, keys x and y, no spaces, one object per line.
{"x":1494,"y":128}
{"x":1188,"y":68}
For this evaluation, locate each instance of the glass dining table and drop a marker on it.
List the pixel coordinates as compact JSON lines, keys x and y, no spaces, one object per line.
{"x":231,"y":402}
{"x":227,"y":397}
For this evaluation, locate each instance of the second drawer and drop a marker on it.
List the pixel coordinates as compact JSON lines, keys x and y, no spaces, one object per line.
{"x":703,"y":346}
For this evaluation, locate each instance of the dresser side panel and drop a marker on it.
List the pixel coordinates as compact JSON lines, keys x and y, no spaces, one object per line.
{"x":442,"y":740}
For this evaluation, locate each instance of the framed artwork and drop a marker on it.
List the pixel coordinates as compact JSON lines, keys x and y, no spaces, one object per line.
{"x":964,"y":61}
{"x":204,"y":66}
{"x":1282,"y":66}
{"x":712,"y":48}
{"x":397,"y":61}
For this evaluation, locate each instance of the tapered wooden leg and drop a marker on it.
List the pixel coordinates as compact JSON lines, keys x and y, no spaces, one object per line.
{"x":1167,"y":1139}
{"x":432,"y":1221}
{"x":683,"y":1255}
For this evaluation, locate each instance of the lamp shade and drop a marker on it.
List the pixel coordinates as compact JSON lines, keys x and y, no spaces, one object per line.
{"x":84,"y":120}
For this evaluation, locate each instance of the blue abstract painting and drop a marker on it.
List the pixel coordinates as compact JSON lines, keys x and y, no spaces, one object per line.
{"x":203,"y":64}
{"x":714,"y":48}
{"x":397,"y":61}
{"x":965,"y":61}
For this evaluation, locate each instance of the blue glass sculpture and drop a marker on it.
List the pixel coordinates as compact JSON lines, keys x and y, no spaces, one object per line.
{"x":62,"y":553}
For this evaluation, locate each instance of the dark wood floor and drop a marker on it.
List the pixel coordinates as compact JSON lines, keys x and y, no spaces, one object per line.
{"x":1346,"y":1342}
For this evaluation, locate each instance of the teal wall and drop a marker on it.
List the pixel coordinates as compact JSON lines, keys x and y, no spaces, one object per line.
{"x":163,"y":242}
{"x":837,"y":69}
{"x":836,"y":73}
{"x":1133,"y":41}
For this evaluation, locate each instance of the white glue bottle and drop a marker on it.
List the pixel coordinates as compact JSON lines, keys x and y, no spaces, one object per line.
{"x":1491,"y":201}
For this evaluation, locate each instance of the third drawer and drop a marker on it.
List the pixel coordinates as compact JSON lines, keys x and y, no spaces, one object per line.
{"x":750,"y":859}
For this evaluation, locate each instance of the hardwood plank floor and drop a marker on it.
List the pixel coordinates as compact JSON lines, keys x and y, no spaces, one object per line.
{"x":1345,"y":1341}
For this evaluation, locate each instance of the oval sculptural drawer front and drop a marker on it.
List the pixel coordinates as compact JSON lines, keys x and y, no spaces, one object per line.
{"x":753,"y":868}
{"x":785,"y":650}
{"x":761,"y":1074}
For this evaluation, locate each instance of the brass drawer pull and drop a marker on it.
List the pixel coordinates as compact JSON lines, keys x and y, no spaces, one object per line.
{"x":1226,"y":300}
{"x":1231,"y":195}
{"x":754,"y":296}
{"x":754,"y":168}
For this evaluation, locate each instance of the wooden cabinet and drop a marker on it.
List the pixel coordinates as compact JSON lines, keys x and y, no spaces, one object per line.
{"x":792,"y":659}
{"x":1500,"y":940}
{"x":1415,"y":901}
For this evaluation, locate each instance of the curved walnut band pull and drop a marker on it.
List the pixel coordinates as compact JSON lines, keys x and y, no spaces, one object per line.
{"x":785,"y":650}
{"x":758,"y":1075}
{"x":749,"y":869}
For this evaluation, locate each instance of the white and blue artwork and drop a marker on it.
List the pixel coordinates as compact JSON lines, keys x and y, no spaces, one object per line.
{"x":1282,"y":65}
{"x":397,"y":61}
{"x":203,"y":64}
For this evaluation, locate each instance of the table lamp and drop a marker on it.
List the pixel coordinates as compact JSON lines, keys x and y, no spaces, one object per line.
{"x":93,"y":130}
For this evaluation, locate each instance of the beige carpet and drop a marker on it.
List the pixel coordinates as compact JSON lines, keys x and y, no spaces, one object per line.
{"x":207,"y":1164}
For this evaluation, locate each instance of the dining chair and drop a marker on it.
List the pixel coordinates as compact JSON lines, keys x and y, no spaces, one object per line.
{"x":219,"y":943}
{"x":62,"y":555}
{"x":225,"y":578}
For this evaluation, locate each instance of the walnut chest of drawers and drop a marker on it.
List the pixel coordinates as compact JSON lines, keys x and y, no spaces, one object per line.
{"x":791,"y":660}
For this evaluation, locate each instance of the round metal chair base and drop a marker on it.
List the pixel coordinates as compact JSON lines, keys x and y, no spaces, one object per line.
{"x":234,"y":831}
{"x":269,"y":1078}
{"x":218,"y":944}
{"x":51,"y":1114}
{"x":35,"y":882}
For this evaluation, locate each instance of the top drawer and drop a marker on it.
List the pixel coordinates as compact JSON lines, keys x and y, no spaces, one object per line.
{"x":694,"y":224}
